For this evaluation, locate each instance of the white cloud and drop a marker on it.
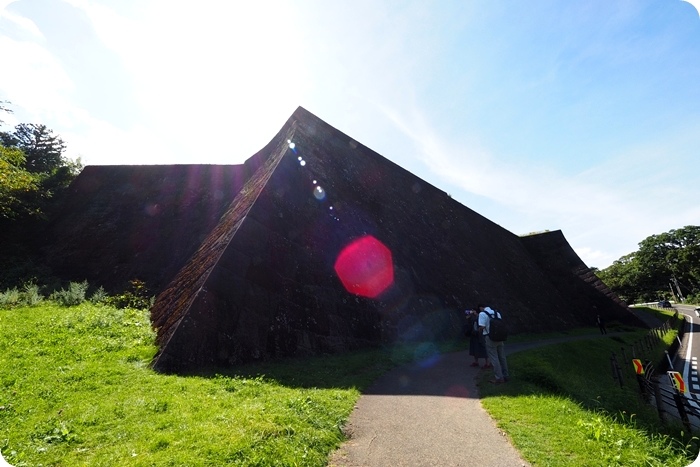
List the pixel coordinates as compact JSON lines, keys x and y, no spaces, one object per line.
{"x":25,"y":25}
{"x":630,"y":196}
{"x":206,"y":76}
{"x":207,"y":80}
{"x":37,"y":80}
{"x":212,"y":82}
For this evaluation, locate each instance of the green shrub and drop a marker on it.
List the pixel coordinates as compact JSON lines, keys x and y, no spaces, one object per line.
{"x":28,"y":296}
{"x":99,"y":296}
{"x":31,"y":295}
{"x":10,"y":298}
{"x":693,"y":299}
{"x":137,"y":296}
{"x":74,"y":295}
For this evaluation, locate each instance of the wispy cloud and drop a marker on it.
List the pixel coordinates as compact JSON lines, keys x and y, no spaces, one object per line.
{"x":544,"y":115}
{"x":188,"y":67}
{"x":607,"y":205}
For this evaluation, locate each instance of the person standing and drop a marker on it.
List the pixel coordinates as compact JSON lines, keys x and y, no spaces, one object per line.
{"x":494,"y":349}
{"x":476,"y":344}
{"x":601,"y":325}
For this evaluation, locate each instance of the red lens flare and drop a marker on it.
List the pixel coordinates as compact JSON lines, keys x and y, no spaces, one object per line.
{"x":365,"y":267}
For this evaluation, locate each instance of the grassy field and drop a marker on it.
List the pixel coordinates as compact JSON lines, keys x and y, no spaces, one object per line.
{"x":76,"y":389}
{"x":562,"y":407}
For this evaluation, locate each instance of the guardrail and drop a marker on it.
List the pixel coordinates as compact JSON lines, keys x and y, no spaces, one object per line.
{"x":654,"y":304}
{"x":670,"y":399}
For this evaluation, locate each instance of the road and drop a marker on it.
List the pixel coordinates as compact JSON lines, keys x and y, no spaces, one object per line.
{"x":686,"y":361}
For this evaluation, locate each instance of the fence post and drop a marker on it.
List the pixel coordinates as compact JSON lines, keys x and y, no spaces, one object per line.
{"x":616,"y":370}
{"x":642,"y":387}
{"x":612,"y":366}
{"x":678,"y":399}
{"x":668,"y":357}
{"x":659,"y":400}
{"x":619,"y":371}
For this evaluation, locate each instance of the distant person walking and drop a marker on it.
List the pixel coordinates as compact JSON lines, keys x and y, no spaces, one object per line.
{"x":601,"y":325}
{"x":494,"y":349}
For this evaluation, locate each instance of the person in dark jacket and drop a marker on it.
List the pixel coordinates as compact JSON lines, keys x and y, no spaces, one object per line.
{"x":477,"y":349}
{"x":601,"y":325}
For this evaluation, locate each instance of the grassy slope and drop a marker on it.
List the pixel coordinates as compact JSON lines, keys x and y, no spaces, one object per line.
{"x":562,"y":407}
{"x":75,"y":389}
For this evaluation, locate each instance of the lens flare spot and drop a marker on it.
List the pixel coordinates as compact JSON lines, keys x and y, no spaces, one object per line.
{"x":365,"y":267}
{"x":319,"y":193}
{"x":457,"y":391}
{"x":152,"y":209}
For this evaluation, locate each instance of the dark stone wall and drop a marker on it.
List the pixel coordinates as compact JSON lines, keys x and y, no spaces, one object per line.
{"x":573,"y":278}
{"x":274,"y":292}
{"x":242,"y":257}
{"x":138,"y":222}
{"x":196,"y":314}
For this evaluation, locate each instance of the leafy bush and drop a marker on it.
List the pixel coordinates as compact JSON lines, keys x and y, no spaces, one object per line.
{"x":28,"y":296}
{"x":693,"y":298}
{"x":73,"y":295}
{"x":136,"y":297}
{"x":99,"y":296}
{"x":10,"y":297}
{"x":31,"y":294}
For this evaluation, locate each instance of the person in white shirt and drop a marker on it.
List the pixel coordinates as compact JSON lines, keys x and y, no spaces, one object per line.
{"x":494,"y":349}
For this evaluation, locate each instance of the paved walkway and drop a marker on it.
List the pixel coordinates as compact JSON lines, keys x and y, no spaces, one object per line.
{"x":429,"y":414}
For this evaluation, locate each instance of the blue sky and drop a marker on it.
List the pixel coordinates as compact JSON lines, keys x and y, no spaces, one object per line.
{"x":582,"y":116}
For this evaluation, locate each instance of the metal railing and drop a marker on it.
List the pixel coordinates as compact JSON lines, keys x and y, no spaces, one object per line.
{"x":670,"y":399}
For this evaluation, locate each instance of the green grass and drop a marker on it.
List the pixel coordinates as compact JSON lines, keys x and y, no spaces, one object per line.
{"x":76,"y":389}
{"x":562,"y":407}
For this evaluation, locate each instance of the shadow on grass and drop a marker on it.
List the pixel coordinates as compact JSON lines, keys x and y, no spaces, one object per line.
{"x":427,"y":368}
{"x":357,"y":369}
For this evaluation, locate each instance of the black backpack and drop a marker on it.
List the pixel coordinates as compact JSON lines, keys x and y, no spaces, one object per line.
{"x":498,"y":332}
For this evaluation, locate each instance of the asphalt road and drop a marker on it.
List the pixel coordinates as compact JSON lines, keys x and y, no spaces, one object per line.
{"x":686,"y":361}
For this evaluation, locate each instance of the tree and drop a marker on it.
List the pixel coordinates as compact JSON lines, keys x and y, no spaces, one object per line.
{"x":623,"y":278}
{"x":664,"y":263}
{"x":19,"y":189}
{"x":43,"y":149}
{"x":674,"y":258}
{"x":33,"y":170}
